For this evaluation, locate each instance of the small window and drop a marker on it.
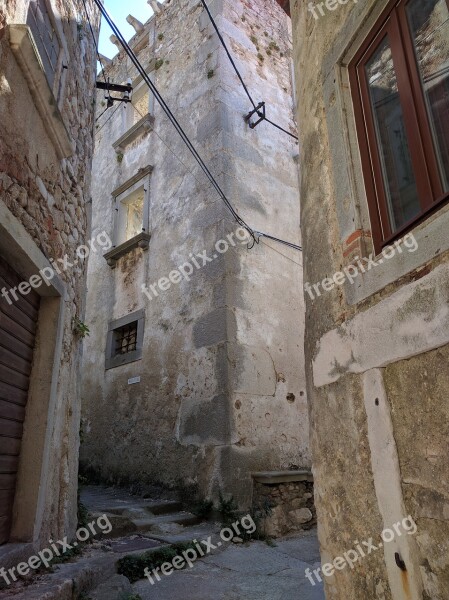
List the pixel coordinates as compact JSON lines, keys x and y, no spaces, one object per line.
{"x":140,"y":105}
{"x":40,"y":21}
{"x":132,"y":213}
{"x":124,"y":341}
{"x":400,"y":86}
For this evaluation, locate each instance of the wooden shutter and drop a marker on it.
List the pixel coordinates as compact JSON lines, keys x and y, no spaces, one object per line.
{"x":18,"y":323}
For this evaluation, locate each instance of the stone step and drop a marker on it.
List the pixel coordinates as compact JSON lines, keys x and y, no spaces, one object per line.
{"x":84,"y":575}
{"x":139,"y":521}
{"x":155,"y":507}
{"x":154,"y":523}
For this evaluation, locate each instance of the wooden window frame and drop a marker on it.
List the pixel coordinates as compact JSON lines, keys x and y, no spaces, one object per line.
{"x":394,"y":24}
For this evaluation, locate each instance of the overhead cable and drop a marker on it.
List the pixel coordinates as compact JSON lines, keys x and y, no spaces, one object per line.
{"x":254,"y":235}
{"x":256,"y":107}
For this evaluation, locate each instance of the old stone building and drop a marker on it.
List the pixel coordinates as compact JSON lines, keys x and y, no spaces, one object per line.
{"x":373,"y":106}
{"x":47,"y":78}
{"x":199,"y":376}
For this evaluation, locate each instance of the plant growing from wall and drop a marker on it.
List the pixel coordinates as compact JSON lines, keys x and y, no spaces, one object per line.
{"x":210,"y":73}
{"x":80,"y":28}
{"x":259,"y":513}
{"x":120,"y":156}
{"x":228,"y":509}
{"x":80,"y":328}
{"x":159,"y":63}
{"x":189,"y":495}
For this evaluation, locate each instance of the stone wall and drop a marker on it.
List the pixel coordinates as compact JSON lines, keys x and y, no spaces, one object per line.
{"x":45,"y":190}
{"x":284,"y":507}
{"x":221,"y":389}
{"x":374,"y":349}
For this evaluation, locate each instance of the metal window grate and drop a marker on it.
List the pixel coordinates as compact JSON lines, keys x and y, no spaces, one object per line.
{"x":125,"y":339}
{"x":45,"y":36}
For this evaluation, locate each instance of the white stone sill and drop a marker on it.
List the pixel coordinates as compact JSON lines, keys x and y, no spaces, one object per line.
{"x":432,"y":238}
{"x":139,"y":241}
{"x":27,"y":56}
{"x":143,"y":126}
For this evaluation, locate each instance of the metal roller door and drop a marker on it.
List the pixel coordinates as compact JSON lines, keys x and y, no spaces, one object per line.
{"x":17,"y":338}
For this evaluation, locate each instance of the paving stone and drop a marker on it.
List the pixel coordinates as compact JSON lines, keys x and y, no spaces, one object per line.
{"x":114,"y":589}
{"x":253,"y":571}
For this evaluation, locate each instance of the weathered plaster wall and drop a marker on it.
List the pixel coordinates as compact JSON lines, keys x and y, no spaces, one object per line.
{"x":222,"y":379}
{"x":48,"y":197}
{"x":374,"y":350}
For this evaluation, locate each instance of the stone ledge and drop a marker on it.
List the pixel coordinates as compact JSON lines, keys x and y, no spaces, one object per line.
{"x":27,"y":56}
{"x":13,"y":553}
{"x":143,"y":126}
{"x":275,"y":477}
{"x":139,"y":241}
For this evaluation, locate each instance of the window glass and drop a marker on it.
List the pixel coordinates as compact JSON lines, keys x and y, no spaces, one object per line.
{"x":139,"y":106}
{"x":429,"y":24}
{"x":399,"y":180}
{"x":134,"y":214}
{"x":131,"y":208}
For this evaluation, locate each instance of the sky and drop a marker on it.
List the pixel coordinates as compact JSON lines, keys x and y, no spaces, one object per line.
{"x":119,"y":10}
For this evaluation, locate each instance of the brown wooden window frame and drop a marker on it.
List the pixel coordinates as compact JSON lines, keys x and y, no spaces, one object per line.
{"x":394,"y":24}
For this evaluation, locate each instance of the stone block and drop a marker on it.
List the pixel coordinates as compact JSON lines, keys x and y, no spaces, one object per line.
{"x":114,"y":589}
{"x":301,"y":516}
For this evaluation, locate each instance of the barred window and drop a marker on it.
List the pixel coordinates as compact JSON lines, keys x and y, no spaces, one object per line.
{"x":46,"y":38}
{"x":125,"y":340}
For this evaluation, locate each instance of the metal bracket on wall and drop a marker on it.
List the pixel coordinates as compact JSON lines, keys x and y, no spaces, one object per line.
{"x":260,"y":111}
{"x":109,"y":87}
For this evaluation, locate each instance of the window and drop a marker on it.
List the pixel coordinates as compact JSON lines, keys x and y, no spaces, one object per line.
{"x":124,"y":340}
{"x":130,"y":214}
{"x":46,"y":39}
{"x":139,"y":107}
{"x":400,"y":87}
{"x":132,"y":211}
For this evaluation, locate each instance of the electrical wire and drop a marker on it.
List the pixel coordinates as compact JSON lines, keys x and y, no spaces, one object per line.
{"x":168,"y":147}
{"x":95,"y":40}
{"x":101,"y":114}
{"x":228,"y":53}
{"x":254,"y":235}
{"x":214,"y":24}
{"x":259,"y":233}
{"x":172,"y":118}
{"x":108,"y":119}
